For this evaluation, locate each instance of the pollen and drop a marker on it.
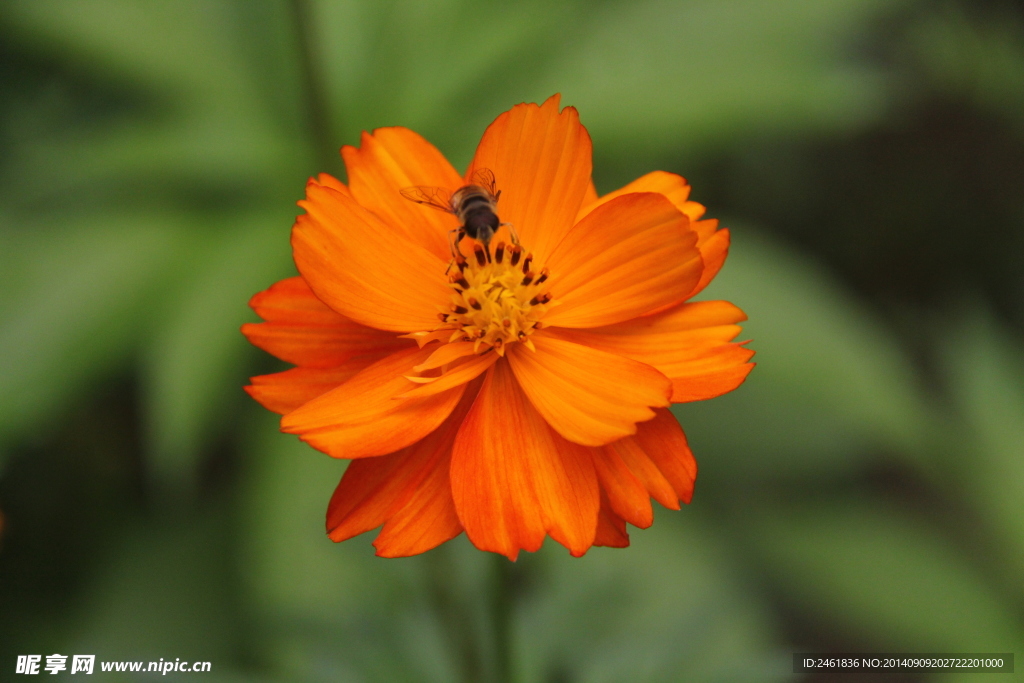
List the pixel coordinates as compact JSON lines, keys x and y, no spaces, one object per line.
{"x":497,"y":298}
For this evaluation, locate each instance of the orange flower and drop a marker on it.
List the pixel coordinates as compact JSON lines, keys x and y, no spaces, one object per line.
{"x":521,"y":392}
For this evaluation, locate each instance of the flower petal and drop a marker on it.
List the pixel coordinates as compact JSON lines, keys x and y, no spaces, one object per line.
{"x":611,"y":529}
{"x":375,"y":490}
{"x":541,"y":159}
{"x":454,"y":376}
{"x":426,"y":521}
{"x":590,"y":397}
{"x":673,"y":186}
{"x":627,"y":497}
{"x":663,"y":441}
{"x":721,"y":372}
{"x":646,"y":472}
{"x":655,"y":462}
{"x":303,"y":330}
{"x":713,"y":251}
{"x":283,"y":392}
{"x":705,"y":228}
{"x":444,"y":354}
{"x":322,"y":346}
{"x":514,"y":479}
{"x":713,"y":245}
{"x":390,"y":160}
{"x":327,"y":180}
{"x":362,"y":268}
{"x":690,"y":344}
{"x":292,"y":301}
{"x":363,"y":417}
{"x":630,"y":256}
{"x":589,"y":197}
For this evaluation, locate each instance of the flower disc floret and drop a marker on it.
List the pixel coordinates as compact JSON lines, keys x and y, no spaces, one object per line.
{"x":497,"y":299}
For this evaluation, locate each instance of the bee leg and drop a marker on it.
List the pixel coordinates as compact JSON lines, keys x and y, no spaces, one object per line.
{"x":512,"y":231}
{"x":453,"y":248}
{"x":454,"y":237}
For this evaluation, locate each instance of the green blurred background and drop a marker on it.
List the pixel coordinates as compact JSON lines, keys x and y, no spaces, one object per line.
{"x":863,"y":491}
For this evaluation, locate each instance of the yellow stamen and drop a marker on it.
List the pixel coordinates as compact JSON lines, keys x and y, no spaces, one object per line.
{"x":495,"y":301}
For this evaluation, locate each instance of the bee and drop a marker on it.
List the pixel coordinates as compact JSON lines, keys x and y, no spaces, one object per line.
{"x":475,"y":205}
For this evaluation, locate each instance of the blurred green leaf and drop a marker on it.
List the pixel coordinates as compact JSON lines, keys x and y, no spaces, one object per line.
{"x":190,"y":162}
{"x":656,"y":74}
{"x":329,"y":611}
{"x":76,"y":299}
{"x":212,"y":120}
{"x":187,"y":48}
{"x":224,"y":144}
{"x":831,"y":383}
{"x":443,"y":68}
{"x":883,"y":578}
{"x":702,"y":70}
{"x":668,"y":608}
{"x":979,"y":57}
{"x":196,"y":365}
{"x":165,"y":592}
{"x":986,"y":381}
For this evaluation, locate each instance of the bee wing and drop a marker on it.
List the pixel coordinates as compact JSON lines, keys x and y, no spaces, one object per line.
{"x":484,"y":177}
{"x":434,"y":197}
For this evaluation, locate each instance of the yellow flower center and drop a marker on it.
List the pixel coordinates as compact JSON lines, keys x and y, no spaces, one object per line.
{"x":497,"y":298}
